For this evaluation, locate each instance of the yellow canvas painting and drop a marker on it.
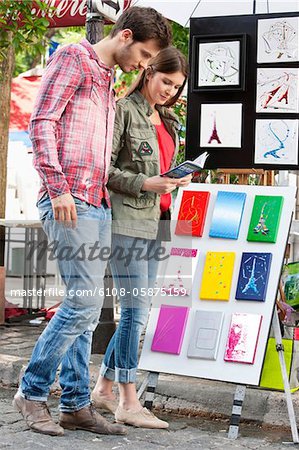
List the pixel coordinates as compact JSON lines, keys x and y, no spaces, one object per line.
{"x":217,"y":276}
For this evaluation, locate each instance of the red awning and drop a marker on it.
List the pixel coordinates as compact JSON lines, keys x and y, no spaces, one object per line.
{"x":23,"y":94}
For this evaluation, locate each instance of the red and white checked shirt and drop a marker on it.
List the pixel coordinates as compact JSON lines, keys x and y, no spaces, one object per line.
{"x":71,"y":127}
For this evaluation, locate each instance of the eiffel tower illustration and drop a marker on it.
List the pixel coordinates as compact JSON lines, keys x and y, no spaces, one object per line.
{"x":251,"y":282}
{"x":214,"y":135}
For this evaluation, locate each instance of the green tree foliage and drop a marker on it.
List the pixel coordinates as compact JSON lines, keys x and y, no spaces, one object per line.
{"x":21,"y":29}
{"x":180,"y":37}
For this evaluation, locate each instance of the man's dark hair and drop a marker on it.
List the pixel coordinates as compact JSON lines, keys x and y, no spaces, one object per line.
{"x":145,"y":24}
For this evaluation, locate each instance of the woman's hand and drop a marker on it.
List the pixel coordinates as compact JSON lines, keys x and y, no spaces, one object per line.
{"x":160,"y":185}
{"x":182,"y":182}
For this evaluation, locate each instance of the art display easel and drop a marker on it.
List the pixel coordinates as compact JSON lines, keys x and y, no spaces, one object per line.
{"x":149,"y":384}
{"x":265,"y":177}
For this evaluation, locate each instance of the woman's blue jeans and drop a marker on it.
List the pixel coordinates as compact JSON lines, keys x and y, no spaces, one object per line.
{"x":134,"y":274}
{"x":82,"y":255}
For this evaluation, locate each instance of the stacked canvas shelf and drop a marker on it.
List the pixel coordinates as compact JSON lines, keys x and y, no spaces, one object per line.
{"x":215,"y":293}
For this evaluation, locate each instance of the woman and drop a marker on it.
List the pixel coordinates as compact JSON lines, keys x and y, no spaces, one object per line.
{"x":145,"y":145}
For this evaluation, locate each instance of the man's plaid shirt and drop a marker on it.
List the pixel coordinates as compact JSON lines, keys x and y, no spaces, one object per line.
{"x":71,"y":126}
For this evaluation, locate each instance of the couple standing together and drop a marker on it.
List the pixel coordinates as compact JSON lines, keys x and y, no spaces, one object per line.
{"x":82,"y":144}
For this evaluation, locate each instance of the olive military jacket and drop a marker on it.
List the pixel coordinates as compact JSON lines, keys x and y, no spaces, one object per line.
{"x":136,"y":157}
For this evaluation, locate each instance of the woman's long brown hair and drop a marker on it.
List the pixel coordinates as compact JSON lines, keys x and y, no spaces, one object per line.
{"x":169,"y":60}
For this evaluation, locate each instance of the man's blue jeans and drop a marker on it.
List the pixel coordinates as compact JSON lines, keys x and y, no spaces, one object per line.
{"x":133,"y":278}
{"x":82,"y":255}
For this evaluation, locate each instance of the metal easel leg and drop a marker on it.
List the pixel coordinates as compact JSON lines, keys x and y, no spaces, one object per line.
{"x":148,"y":386}
{"x":280,"y":349}
{"x":236,"y":412}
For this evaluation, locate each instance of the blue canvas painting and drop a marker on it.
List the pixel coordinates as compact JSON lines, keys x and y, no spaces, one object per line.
{"x":227,"y":215}
{"x":253,"y":276}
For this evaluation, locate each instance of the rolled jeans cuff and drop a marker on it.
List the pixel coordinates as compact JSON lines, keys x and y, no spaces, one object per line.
{"x":107,"y":372}
{"x":119,"y":375}
{"x":74,"y":408}
{"x":32,"y":397}
{"x":125,"y":375}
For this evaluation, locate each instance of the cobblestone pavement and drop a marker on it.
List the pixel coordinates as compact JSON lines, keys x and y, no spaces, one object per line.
{"x":19,"y":340}
{"x":184,"y":433}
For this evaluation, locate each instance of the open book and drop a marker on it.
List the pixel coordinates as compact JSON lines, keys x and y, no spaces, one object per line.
{"x":187,"y":167}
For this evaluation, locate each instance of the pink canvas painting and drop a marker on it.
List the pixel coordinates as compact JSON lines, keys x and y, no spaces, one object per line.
{"x":242,"y":338}
{"x":170,"y":329}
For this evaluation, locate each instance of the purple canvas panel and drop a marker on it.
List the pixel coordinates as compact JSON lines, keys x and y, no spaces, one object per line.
{"x":170,"y":329}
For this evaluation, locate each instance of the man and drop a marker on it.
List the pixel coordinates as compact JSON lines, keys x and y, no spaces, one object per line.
{"x":71,"y":131}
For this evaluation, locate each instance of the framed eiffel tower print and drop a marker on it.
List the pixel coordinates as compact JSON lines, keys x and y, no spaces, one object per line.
{"x":221,"y":125}
{"x":218,"y":62}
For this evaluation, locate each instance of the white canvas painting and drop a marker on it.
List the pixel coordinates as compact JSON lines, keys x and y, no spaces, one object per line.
{"x":175,"y":275}
{"x":205,"y":334}
{"x":278,"y":40}
{"x":276,"y":141}
{"x":221,"y":125}
{"x":219,"y":64}
{"x":277,"y":90}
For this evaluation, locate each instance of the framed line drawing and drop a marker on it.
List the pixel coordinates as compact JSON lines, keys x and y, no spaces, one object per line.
{"x":218,"y":62}
{"x":277,"y":90}
{"x":278,"y":40}
{"x":276,"y":141}
{"x":221,"y":125}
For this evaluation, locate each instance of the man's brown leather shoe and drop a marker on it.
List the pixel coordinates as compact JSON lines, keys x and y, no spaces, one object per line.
{"x":90,"y":420}
{"x":37,"y":416}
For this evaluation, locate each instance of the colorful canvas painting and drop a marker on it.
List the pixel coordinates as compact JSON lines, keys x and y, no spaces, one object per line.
{"x":176,"y":272}
{"x":253,"y":276}
{"x":290,"y":279}
{"x":265,"y":218}
{"x":217,"y":276}
{"x":243,"y":338}
{"x":192,"y":213}
{"x":170,"y":329}
{"x":278,"y":40}
{"x":277,"y":90}
{"x":227,"y":215}
{"x":276,"y":141}
{"x":221,"y":125}
{"x":219,"y":63}
{"x":205,"y":335}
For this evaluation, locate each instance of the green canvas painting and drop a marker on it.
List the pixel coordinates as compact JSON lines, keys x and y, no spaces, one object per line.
{"x":290,"y":278}
{"x":265,"y":218}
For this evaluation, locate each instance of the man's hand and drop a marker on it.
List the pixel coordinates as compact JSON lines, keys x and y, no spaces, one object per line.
{"x":64,"y":210}
{"x":159,"y":185}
